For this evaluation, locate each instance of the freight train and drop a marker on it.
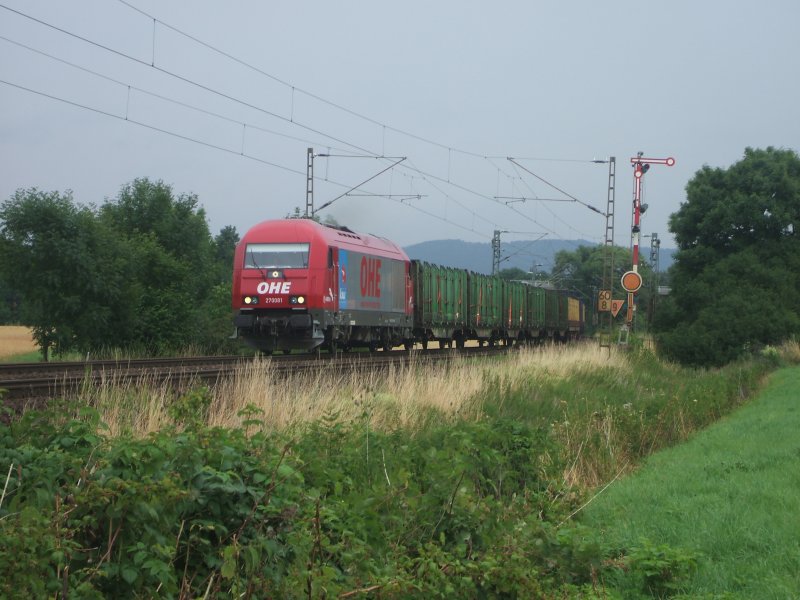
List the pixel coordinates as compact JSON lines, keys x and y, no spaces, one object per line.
{"x":299,"y":284}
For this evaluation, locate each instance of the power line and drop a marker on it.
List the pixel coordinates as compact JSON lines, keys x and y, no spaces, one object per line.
{"x":211,"y":90}
{"x":165,"y":98}
{"x":154,"y":128}
{"x":426,"y":176}
{"x":336,"y":105}
{"x":542,"y":179}
{"x":213,"y":146}
{"x":297,"y":89}
{"x":435,"y":216}
{"x":547,"y":208}
{"x":184,"y":79}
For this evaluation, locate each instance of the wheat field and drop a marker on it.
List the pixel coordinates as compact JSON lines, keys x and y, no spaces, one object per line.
{"x":15,"y":339}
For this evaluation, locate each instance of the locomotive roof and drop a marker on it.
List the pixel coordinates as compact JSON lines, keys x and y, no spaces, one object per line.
{"x":307,"y":230}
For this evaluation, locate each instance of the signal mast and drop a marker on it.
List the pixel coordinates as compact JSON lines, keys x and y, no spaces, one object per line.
{"x":631,"y":280}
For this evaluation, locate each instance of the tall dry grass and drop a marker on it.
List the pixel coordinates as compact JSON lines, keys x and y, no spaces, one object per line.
{"x":14,"y":340}
{"x":789,"y":352}
{"x":606,"y":409}
{"x":403,"y":397}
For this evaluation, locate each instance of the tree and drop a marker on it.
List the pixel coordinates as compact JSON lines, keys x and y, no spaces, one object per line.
{"x":173,"y":258}
{"x":224,"y":250}
{"x":65,"y":265}
{"x":581,"y":270}
{"x":736,"y":277}
{"x":514,"y":274}
{"x":142,"y":272}
{"x":9,"y":304}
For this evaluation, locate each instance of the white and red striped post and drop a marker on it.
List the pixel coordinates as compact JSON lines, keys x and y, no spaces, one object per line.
{"x":640,"y":166}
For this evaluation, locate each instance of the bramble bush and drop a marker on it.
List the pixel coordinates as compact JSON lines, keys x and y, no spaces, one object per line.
{"x":468,"y":510}
{"x":335,"y":508}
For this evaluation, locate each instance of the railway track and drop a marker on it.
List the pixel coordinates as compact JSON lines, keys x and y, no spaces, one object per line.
{"x":29,"y":384}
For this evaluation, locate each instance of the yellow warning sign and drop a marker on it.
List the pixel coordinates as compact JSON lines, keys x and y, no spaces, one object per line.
{"x":604,"y":301}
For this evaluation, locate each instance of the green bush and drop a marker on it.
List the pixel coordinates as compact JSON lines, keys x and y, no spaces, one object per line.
{"x":467,"y":510}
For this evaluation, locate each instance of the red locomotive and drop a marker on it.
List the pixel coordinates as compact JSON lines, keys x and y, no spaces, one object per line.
{"x":298,"y":284}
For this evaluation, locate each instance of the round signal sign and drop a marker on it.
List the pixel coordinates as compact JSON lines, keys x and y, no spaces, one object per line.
{"x":631,"y":281}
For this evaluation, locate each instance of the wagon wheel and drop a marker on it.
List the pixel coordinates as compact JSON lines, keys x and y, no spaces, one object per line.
{"x":424,"y":344}
{"x":408,"y":345}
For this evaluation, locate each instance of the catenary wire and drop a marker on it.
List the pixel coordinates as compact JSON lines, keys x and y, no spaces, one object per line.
{"x":213,"y":91}
{"x":167,"y":98}
{"x":216,"y":147}
{"x":254,"y":107}
{"x":349,"y":111}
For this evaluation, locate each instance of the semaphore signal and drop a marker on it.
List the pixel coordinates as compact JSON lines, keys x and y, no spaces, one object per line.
{"x":631,"y":280}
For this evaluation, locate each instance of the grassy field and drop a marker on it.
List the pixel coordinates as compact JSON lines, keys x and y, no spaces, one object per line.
{"x":730,"y":496}
{"x":17,"y":344}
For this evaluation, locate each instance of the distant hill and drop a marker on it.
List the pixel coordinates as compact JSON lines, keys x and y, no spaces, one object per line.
{"x":477,"y":257}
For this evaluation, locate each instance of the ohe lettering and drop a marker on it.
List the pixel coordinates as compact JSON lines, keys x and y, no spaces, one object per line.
{"x":274,"y":287}
{"x":370,"y":277}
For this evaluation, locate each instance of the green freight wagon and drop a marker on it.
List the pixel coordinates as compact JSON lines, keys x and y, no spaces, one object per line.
{"x":485,"y":297}
{"x":515,"y":301}
{"x":551,"y":310}
{"x":563,"y":315}
{"x":440,"y":303}
{"x":535,"y":319}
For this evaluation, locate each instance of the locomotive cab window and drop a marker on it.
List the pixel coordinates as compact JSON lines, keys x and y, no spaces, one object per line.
{"x":276,"y":256}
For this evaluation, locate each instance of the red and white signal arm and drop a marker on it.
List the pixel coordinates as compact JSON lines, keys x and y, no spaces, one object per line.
{"x":631,"y":281}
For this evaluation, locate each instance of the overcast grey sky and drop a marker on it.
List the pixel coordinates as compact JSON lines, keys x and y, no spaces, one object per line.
{"x":454,"y":86}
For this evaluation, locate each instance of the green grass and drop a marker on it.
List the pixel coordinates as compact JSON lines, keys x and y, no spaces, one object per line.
{"x":28,"y":357}
{"x":731,"y":494}
{"x":610,"y":418}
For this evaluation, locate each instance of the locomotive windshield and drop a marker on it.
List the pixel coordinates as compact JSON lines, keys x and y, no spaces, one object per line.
{"x":276,"y":256}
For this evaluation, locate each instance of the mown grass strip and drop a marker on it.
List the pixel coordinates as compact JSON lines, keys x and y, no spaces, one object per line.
{"x":731,"y":494}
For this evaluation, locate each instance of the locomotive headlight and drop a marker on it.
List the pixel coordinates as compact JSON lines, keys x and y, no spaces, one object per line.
{"x":301,"y":300}
{"x":250,"y":299}
{"x":297,"y":300}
